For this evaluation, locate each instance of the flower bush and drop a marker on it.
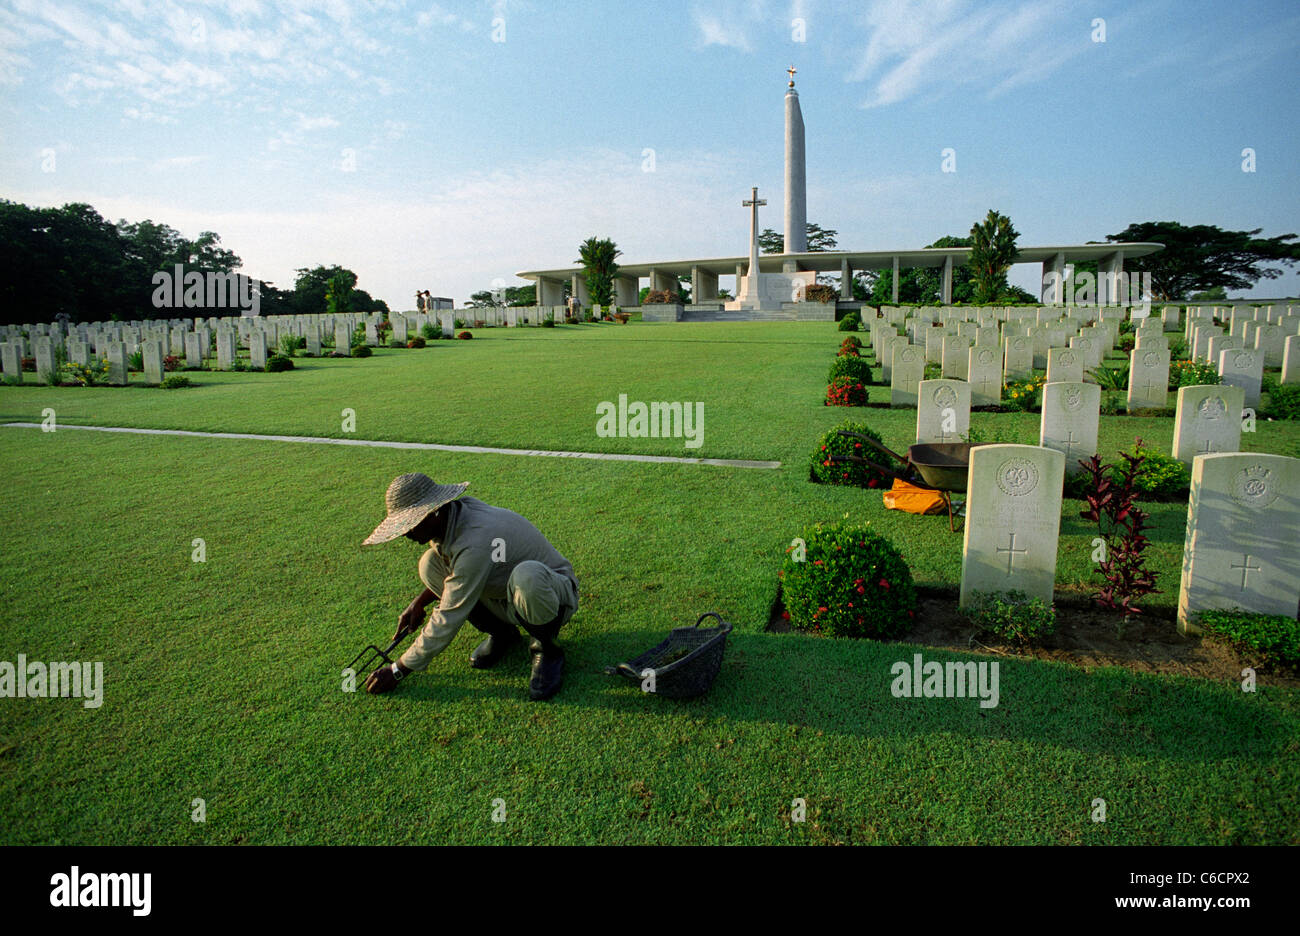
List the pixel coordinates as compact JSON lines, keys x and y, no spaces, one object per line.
{"x":1283,"y":400}
{"x":1192,"y":374}
{"x":1023,"y":395}
{"x":851,"y":582}
{"x":851,"y":322}
{"x":466,"y":335}
{"x":85,"y":375}
{"x":279,"y":362}
{"x":826,"y":471}
{"x":851,"y":341}
{"x":171,"y":362}
{"x":416,"y":342}
{"x":845,"y":391}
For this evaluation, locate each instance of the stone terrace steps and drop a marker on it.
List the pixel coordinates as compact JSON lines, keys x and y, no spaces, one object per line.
{"x":738,"y":316}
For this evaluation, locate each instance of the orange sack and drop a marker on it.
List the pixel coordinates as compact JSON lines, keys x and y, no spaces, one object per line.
{"x":912,"y":499}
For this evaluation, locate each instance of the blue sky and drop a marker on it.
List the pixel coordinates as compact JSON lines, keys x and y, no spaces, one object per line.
{"x":443,"y":146}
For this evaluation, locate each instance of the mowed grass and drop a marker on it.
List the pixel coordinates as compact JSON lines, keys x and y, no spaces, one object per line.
{"x":223,"y":678}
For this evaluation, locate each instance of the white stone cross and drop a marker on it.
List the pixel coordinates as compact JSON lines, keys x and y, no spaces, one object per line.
{"x":752,"y":204}
{"x":1011,"y":551}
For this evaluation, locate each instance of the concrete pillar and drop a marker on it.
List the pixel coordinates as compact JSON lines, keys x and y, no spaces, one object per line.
{"x":663,"y":281}
{"x":1053,"y":283}
{"x":846,"y":280}
{"x":1108,"y":271}
{"x":740,"y":275}
{"x":550,"y":292}
{"x":579,"y":288}
{"x":704,"y":285}
{"x":895,"y":280}
{"x":945,"y":291}
{"x":627,"y":290}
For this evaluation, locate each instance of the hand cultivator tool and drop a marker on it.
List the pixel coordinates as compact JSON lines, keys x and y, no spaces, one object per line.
{"x":369,"y":659}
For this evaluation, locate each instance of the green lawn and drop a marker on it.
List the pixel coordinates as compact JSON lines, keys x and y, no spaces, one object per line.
{"x":223,"y":678}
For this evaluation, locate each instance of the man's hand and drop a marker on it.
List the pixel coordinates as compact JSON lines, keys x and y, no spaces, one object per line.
{"x":383,"y":680}
{"x":412,"y":619}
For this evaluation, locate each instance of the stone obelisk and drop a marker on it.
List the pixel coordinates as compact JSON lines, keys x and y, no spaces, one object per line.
{"x":796,"y":196}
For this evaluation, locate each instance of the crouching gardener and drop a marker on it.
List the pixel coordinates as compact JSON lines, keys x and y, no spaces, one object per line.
{"x":485,"y":565}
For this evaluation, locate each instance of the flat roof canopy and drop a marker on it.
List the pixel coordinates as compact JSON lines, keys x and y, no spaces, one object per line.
{"x":830,"y":261}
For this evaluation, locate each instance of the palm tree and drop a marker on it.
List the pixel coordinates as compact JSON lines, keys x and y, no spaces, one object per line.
{"x":597,"y":258}
{"x":993,"y":250}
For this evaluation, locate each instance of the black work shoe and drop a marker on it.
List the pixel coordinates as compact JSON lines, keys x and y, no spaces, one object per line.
{"x":493,"y":648}
{"x":548,"y":674}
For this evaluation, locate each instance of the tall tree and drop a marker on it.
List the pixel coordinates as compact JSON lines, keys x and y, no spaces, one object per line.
{"x":993,"y":250}
{"x":820,"y":239}
{"x":597,"y":256}
{"x":1201,"y":257}
{"x":311,"y":286}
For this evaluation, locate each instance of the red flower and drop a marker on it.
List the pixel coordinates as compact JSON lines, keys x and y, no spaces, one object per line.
{"x":821,"y":610}
{"x":817,"y":562}
{"x":785,"y":615}
{"x":911,"y":614}
{"x":883,"y":584}
{"x":861,"y":590}
{"x":857,"y":445}
{"x":850,"y":604}
{"x":871,"y":483}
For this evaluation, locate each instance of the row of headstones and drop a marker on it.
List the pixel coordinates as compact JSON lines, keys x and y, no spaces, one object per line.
{"x":990,"y":358}
{"x":259,"y":335}
{"x":1208,"y":418}
{"x":1248,"y":345}
{"x":1242,"y":534}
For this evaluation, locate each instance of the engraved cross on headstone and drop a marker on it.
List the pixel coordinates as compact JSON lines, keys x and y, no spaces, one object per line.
{"x":1069,"y":444}
{"x":1245,"y":568}
{"x":1209,"y":447}
{"x":1011,"y":551}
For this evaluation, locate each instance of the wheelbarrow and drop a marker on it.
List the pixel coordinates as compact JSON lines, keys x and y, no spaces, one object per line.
{"x":931,"y":466}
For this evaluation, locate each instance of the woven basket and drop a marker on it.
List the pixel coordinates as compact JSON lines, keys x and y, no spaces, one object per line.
{"x":685,"y":664}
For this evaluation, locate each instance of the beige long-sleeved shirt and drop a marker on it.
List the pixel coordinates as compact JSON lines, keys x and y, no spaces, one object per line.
{"x":461,"y":571}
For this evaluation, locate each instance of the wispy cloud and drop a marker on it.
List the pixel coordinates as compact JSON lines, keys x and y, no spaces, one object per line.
{"x":731,"y":24}
{"x":927,"y":47}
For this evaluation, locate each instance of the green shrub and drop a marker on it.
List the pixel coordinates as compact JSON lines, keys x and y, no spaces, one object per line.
{"x":362,"y":351}
{"x":85,"y":375}
{"x":852,"y":341}
{"x":851,"y":322}
{"x":176,"y":382}
{"x":465,"y":335}
{"x":1012,"y":615}
{"x":1283,"y":401}
{"x":1275,"y":637}
{"x":291,"y":343}
{"x":239,"y":364}
{"x":1111,"y":377}
{"x":1161,"y":477}
{"x":549,"y":321}
{"x":1177,"y":348}
{"x":416,"y":342}
{"x":429,"y":331}
{"x":826,"y":471}
{"x":135,"y":362}
{"x":1192,"y":374}
{"x":851,"y":582}
{"x":820,"y":293}
{"x":394,"y":343}
{"x":856,"y":368}
{"x":278,"y":362}
{"x":932,"y":371}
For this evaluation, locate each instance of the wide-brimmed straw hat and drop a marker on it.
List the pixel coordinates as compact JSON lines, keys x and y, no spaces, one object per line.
{"x":411,"y":498}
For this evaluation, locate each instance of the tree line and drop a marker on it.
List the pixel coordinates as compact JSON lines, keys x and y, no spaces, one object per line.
{"x":72,"y":262}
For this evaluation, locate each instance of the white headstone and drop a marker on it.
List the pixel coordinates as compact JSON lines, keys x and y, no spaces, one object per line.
{"x":984,"y":373}
{"x":906,"y":373}
{"x":343,"y":338}
{"x":447,"y":322}
{"x":1208,"y":421}
{"x":1069,"y":419}
{"x":193,"y":350}
{"x":117,"y":369}
{"x":1243,"y":537}
{"x":1019,"y":359}
{"x":955,"y":356}
{"x":1013,"y":519}
{"x":227,"y":346}
{"x":257,"y":350}
{"x":1271,"y":340}
{"x":1064,"y":365}
{"x":1148,"y":379}
{"x":153,"y":352}
{"x":1244,"y":369}
{"x":1291,"y":360}
{"x":44,"y":346}
{"x":311,"y":334}
{"x":943,"y":411}
{"x":11,"y":359}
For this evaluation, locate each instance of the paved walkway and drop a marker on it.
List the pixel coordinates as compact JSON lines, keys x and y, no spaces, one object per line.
{"x":421,"y":446}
